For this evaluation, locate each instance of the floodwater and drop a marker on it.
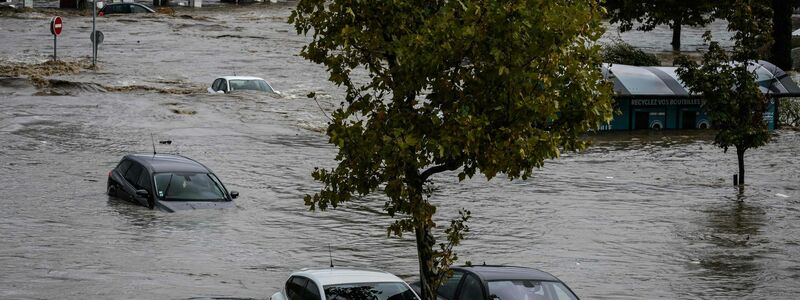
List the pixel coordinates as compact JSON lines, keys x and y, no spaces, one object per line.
{"x":639,"y":216}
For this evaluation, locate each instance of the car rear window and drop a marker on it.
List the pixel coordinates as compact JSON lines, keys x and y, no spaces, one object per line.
{"x":144,"y":181}
{"x":123,"y":167}
{"x":132,"y":175}
{"x":530,"y":289}
{"x":369,"y":291}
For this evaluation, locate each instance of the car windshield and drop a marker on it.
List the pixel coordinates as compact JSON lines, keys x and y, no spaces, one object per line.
{"x":369,"y":291}
{"x":254,"y":85}
{"x":529,"y":290}
{"x":188,"y":187}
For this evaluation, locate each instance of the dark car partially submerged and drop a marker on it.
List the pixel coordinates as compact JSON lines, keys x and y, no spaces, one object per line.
{"x":168,"y":182}
{"x":124,"y":8}
{"x":502,"y":283}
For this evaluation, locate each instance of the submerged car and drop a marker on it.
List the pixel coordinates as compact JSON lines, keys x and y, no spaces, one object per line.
{"x":344,"y":284}
{"x":168,"y":182}
{"x":228,"y":84}
{"x":124,"y":8}
{"x":502,"y":283}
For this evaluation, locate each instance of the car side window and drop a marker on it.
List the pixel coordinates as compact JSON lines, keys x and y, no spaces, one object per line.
{"x":295,"y":287}
{"x":215,"y":85}
{"x":223,"y":85}
{"x":137,"y":9}
{"x":132,"y":175}
{"x":448,"y":289}
{"x":311,"y":291}
{"x":471,"y":289}
{"x":144,"y":180}
{"x":123,"y":167}
{"x":126,"y":8}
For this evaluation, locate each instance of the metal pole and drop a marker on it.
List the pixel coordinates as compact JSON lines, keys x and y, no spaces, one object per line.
{"x":94,"y":37}
{"x":55,"y":57}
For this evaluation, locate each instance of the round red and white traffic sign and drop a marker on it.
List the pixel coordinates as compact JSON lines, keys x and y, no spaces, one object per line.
{"x":55,"y":25}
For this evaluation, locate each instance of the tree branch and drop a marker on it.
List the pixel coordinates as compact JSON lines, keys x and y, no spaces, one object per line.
{"x":449,"y":166}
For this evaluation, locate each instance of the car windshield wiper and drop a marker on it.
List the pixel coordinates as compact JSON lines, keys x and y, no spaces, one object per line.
{"x":168,"y":183}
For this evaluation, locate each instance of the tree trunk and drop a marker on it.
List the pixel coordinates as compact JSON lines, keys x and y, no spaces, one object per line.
{"x":740,"y":156}
{"x":781,"y":52}
{"x":425,"y":252}
{"x":676,"y":34}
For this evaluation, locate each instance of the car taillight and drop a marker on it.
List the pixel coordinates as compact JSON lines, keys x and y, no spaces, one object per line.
{"x":100,"y":14}
{"x":109,"y":173}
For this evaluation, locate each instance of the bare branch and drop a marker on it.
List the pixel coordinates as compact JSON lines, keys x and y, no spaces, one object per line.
{"x":449,"y":166}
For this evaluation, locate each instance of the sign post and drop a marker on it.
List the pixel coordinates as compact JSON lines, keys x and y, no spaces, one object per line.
{"x":55,"y":28}
{"x":97,"y":39}
{"x":94,"y":45}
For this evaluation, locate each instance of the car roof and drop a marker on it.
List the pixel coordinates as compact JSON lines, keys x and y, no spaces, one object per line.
{"x":127,"y":3}
{"x":131,"y":3}
{"x":331,"y":276}
{"x":168,"y":163}
{"x":508,"y":273}
{"x":241,"y":78}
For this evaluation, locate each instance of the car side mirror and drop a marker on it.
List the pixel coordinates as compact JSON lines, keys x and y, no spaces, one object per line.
{"x":234,"y":194}
{"x":142,"y":193}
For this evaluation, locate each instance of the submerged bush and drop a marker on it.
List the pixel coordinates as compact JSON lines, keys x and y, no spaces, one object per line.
{"x":623,"y":53}
{"x":789,"y":112}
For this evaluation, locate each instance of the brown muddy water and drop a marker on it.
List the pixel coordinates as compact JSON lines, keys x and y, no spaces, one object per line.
{"x":639,"y":216}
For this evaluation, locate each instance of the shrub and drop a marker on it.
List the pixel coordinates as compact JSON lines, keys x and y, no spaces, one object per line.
{"x":789,"y":112}
{"x":623,"y":53}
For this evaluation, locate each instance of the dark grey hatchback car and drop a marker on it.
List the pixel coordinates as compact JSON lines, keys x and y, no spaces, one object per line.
{"x":168,"y":182}
{"x":502,"y":283}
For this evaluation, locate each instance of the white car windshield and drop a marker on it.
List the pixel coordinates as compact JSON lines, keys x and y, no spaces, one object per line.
{"x":369,"y":291}
{"x":529,"y":290}
{"x":253,"y":85}
{"x":188,"y":187}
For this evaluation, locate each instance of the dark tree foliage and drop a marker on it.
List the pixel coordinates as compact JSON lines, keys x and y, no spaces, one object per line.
{"x":779,"y":14}
{"x":732,"y":96}
{"x":781,"y":51}
{"x":471,"y":86}
{"x":647,"y":14}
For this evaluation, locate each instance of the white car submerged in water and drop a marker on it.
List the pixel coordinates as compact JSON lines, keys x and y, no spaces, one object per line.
{"x":344,"y":284}
{"x":227,"y":84}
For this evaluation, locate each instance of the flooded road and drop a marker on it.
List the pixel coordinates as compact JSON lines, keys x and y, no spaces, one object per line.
{"x":639,"y":216}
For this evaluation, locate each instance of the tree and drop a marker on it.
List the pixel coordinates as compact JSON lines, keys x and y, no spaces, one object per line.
{"x":488,"y":87}
{"x":779,"y":13}
{"x":781,"y":51}
{"x":732,"y":96}
{"x":651,"y":13}
{"x":623,"y":53}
